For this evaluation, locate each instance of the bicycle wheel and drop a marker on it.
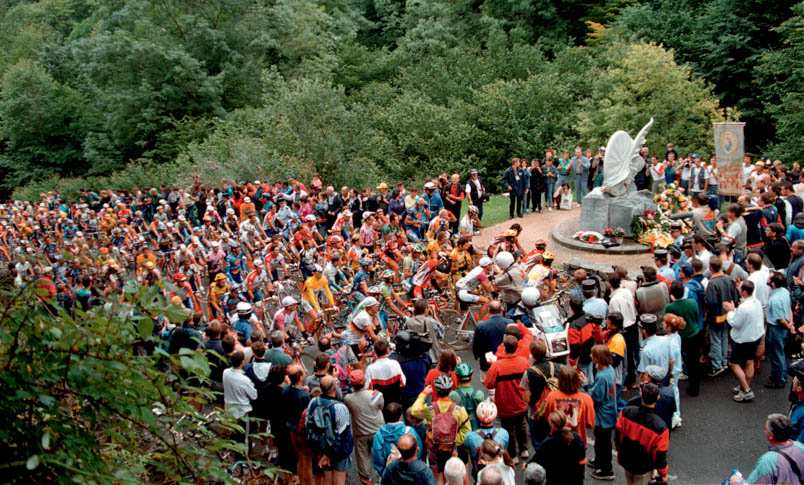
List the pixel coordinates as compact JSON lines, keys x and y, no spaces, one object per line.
{"x":452,"y":321}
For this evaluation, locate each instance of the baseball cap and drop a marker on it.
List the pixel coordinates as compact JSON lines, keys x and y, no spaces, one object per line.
{"x":473,"y":171}
{"x":656,"y":373}
{"x":796,"y":369}
{"x":357,"y":378}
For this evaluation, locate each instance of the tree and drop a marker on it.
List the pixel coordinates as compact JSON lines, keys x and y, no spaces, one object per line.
{"x":81,"y":405}
{"x":644,"y":81}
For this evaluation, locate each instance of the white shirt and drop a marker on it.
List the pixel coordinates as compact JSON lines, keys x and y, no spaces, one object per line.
{"x":238,"y":392}
{"x":467,"y":225}
{"x":761,"y":288}
{"x":747,"y":321}
{"x":622,"y":300}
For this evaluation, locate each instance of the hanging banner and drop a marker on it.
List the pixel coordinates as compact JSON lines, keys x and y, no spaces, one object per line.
{"x":729,"y":151}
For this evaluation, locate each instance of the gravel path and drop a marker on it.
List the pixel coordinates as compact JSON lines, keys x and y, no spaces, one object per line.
{"x":538,"y":226}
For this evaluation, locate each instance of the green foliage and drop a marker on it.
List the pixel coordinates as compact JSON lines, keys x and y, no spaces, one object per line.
{"x":643,"y":81}
{"x":81,"y":407}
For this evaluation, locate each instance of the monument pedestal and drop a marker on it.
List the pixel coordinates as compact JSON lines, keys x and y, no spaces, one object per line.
{"x":601,"y":210}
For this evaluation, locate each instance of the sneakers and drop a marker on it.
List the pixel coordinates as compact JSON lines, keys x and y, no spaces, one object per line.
{"x":736,"y":389}
{"x":591,"y":464}
{"x":744,"y":396}
{"x":682,"y":377}
{"x":549,"y":209}
{"x":717,"y":372}
{"x":676,"y":422}
{"x":601,"y":475}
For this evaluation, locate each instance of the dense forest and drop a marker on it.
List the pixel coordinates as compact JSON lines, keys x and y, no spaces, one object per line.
{"x":129,"y":93}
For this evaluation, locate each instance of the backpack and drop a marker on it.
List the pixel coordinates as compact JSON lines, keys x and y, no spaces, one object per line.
{"x":444,"y":430}
{"x":470,"y":402}
{"x":539,"y":402}
{"x":319,"y":432}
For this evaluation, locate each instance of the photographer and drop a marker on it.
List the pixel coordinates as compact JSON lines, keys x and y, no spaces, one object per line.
{"x":425,"y":322}
{"x":412,"y":355}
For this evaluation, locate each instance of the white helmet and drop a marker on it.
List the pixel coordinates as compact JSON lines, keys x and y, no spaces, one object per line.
{"x":504,"y":259}
{"x":243,"y":308}
{"x":370,"y":301}
{"x":485,"y":261}
{"x":288,"y":300}
{"x":530,"y":296}
{"x":486,"y":411}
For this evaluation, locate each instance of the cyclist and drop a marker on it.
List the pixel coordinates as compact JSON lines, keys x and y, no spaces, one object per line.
{"x":462,"y":257}
{"x":534,"y":257}
{"x":507,"y":241}
{"x":529,"y":301}
{"x":511,"y":281}
{"x":256,"y":280}
{"x":217,"y":290}
{"x":390,"y":300}
{"x":235,"y":264}
{"x":316,"y":289}
{"x":360,"y":283}
{"x":433,"y":271}
{"x":466,"y":286}
{"x":543,"y":273}
{"x":287,"y":315}
{"x":246,"y":324}
{"x":362,"y":325}
{"x":412,"y":261}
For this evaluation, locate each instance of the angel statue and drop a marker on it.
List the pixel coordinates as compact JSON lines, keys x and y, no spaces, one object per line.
{"x":623,"y":161}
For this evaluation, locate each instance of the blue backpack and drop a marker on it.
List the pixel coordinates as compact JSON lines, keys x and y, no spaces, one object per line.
{"x":319,"y":431}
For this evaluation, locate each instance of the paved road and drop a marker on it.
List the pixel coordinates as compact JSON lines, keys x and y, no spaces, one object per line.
{"x":717,"y":435}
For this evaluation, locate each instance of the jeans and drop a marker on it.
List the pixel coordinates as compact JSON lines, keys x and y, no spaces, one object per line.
{"x":548,"y":195}
{"x":580,"y":187}
{"x":588,"y":370}
{"x":517,"y":434}
{"x":655,"y":186}
{"x":515,"y":201}
{"x":714,"y":199}
{"x":719,"y":345}
{"x":539,"y":431}
{"x":777,"y":337}
{"x":603,"y":449}
{"x":479,"y":205}
{"x":691,"y":348}
{"x":562,"y":179}
{"x":631,"y":335}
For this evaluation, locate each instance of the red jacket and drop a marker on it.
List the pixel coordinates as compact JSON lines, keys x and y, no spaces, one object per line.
{"x":504,"y":377}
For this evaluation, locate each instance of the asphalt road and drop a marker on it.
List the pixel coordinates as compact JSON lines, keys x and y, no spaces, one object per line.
{"x":717,"y":434}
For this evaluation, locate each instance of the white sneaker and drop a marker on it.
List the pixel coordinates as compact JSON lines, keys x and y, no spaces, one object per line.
{"x":676,"y":422}
{"x":682,"y":377}
{"x":549,"y":209}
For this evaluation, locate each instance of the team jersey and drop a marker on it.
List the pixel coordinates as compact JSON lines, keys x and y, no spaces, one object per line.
{"x":255,"y":279}
{"x":424,"y":273}
{"x":472,"y":280}
{"x":316,"y":290}
{"x":360,"y":277}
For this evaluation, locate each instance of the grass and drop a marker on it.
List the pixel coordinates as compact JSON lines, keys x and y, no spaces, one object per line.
{"x":494,"y":211}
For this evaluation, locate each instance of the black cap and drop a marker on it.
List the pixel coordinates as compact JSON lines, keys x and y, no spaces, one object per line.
{"x":588,"y":284}
{"x":660,"y":253}
{"x":597,"y":318}
{"x":675,"y":225}
{"x":648,"y":321}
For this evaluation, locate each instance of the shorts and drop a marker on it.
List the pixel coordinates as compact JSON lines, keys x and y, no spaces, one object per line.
{"x":335,"y":466}
{"x":743,"y":352}
{"x":467,"y":297}
{"x":438,"y":459}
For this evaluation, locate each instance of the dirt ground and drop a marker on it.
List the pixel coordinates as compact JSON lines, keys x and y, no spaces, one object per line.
{"x":538,"y":226}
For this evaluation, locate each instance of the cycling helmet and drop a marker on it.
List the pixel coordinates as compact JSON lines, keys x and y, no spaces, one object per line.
{"x":258,"y":263}
{"x":374,"y":289}
{"x":473,"y":209}
{"x":530,"y":296}
{"x":370,"y":301}
{"x":179,"y":276}
{"x":104,"y":250}
{"x":504,"y":259}
{"x":548,"y":255}
{"x":418,"y":248}
{"x":463,"y":371}
{"x":443,"y":255}
{"x":288,"y":300}
{"x":365,"y":262}
{"x":412,"y":237}
{"x":220,"y":276}
{"x":486,"y":411}
{"x":234,"y":245}
{"x":510,"y":233}
{"x":317,"y":268}
{"x":443,"y":383}
{"x":485,"y":261}
{"x":149,"y":265}
{"x":388,"y":273}
{"x":243,"y":308}
{"x":540,"y":243}
{"x":334,"y":239}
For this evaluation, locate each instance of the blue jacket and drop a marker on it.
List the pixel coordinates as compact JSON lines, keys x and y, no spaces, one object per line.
{"x":408,"y":473}
{"x":695,"y":290}
{"x":488,"y":336}
{"x":604,"y":394}
{"x":794,"y":233}
{"x":436,"y":204}
{"x":796,"y":291}
{"x":509,"y":179}
{"x":387,"y":435}
{"x":797,"y":418}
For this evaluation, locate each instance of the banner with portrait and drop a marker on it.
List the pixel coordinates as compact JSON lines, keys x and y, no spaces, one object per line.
{"x":729,"y":150}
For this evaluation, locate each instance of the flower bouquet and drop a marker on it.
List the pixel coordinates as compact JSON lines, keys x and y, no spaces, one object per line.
{"x":591,"y":237}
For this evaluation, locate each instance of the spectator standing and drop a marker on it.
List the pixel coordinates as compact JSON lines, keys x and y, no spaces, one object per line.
{"x":388,"y":435}
{"x":408,"y":470}
{"x":691,"y":337}
{"x":475,"y":192}
{"x":465,"y":395}
{"x":672,"y":325}
{"x":454,"y":471}
{"x":453,"y":198}
{"x":489,"y":335}
{"x":503,"y":378}
{"x":238,"y":392}
{"x":622,"y":302}
{"x":719,"y":290}
{"x":495,"y":458}
{"x":330,"y":440}
{"x":295,"y":399}
{"x":322,"y":369}
{"x":385,"y":375}
{"x":486,"y":414}
{"x":777,"y":247}
{"x":535,"y":388}
{"x":655,"y":349}
{"x":580,"y":174}
{"x":578,"y":406}
{"x":365,"y":407}
{"x":642,"y":440}
{"x":535,"y":474}
{"x":550,"y":176}
{"x":666,"y":404}
{"x":513,"y":180}
{"x":536,"y":185}
{"x":563,"y":453}
{"x":747,"y":329}
{"x":423,"y":323}
{"x":652,"y":295}
{"x":415,"y":364}
{"x":780,"y":325}
{"x":604,"y":395}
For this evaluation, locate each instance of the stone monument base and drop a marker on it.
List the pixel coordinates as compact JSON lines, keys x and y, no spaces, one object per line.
{"x":600,"y":210}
